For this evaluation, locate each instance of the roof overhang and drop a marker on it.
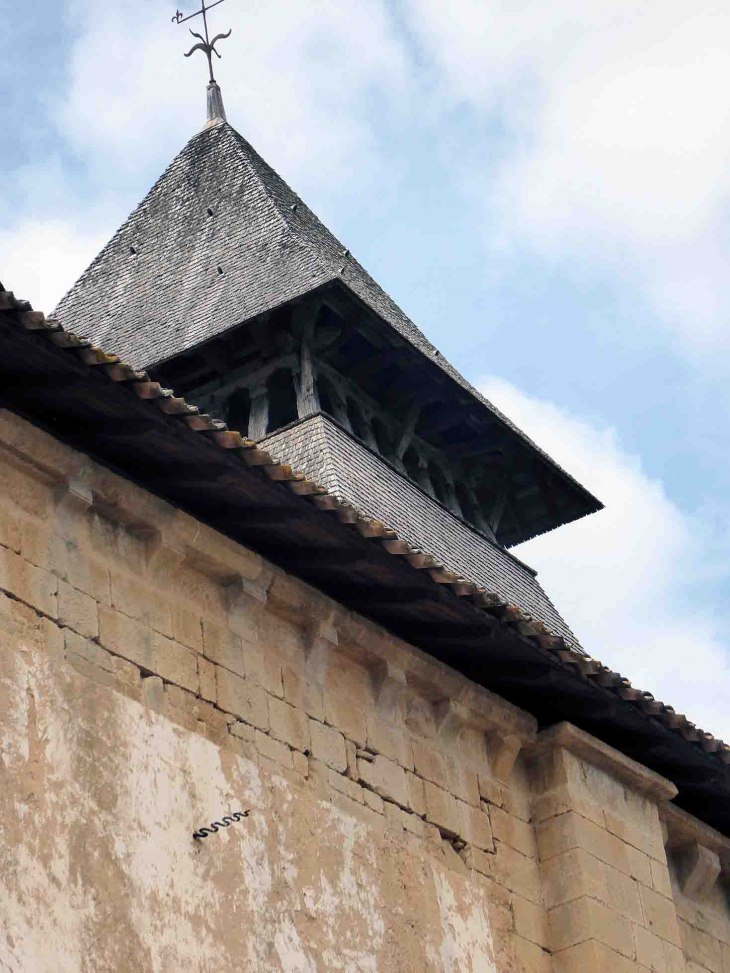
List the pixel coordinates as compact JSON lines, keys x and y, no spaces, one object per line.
{"x":102,"y":407}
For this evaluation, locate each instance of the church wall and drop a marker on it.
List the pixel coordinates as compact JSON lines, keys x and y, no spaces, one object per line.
{"x":155,"y":675}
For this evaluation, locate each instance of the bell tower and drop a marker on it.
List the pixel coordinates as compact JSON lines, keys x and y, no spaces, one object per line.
{"x":225,"y":286}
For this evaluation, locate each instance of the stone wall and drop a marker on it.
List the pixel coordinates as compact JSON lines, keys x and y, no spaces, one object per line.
{"x":155,"y":676}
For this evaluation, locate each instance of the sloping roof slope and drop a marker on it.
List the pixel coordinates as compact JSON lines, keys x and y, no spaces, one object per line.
{"x":219,"y":239}
{"x":328,"y":455}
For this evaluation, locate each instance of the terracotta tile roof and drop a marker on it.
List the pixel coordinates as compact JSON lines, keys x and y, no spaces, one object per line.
{"x":19,"y":315}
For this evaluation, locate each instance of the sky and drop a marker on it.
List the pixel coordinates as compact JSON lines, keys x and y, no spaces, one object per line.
{"x":543,"y":188}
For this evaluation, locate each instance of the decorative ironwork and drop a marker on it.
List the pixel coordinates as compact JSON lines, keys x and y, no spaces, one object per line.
{"x":206,"y":45}
{"x":226,"y":821}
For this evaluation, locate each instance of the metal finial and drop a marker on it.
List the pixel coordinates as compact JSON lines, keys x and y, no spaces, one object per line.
{"x":206,"y":45}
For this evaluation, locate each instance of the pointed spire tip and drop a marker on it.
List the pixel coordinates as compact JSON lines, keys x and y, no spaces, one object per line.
{"x":216,"y":111}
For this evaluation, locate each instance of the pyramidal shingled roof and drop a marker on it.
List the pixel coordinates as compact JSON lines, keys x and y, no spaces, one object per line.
{"x":219,"y":239}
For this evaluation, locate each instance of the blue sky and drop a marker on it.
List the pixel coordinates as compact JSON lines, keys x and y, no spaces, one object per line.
{"x":543,"y":188}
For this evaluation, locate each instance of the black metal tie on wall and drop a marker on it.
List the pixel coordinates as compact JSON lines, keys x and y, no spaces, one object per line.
{"x":226,"y":822}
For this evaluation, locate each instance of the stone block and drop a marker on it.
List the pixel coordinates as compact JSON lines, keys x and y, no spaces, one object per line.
{"x":207,"y":679}
{"x":462,"y":782}
{"x":639,"y":865}
{"x":701,"y":948}
{"x":242,"y":731}
{"x":129,"y":638}
{"x":288,"y":724}
{"x":350,"y":719}
{"x":77,"y":610}
{"x":530,"y":921}
{"x":390,"y":741}
{"x":476,"y":859}
{"x":571,"y":830}
{"x":373,"y":801}
{"x":244,"y":700}
{"x":187,"y":627}
{"x":593,"y":957}
{"x":443,"y":810}
{"x":20,"y":627}
{"x":264,"y":668}
{"x":139,"y":601}
{"x":223,"y":647}
{"x":301,"y":763}
{"x":517,"y":873}
{"x":568,"y":875}
{"x":351,"y":751}
{"x":533,"y":958}
{"x":513,"y":832}
{"x":674,"y":959}
{"x":394,"y":816}
{"x":639,"y":831}
{"x":621,"y":893}
{"x":661,"y":918}
{"x":389,"y":686}
{"x":313,"y":701}
{"x":344,"y":785}
{"x":79,"y":649}
{"x":503,"y":753}
{"x":67,"y":561}
{"x":153,"y":694}
{"x":386,"y":778}
{"x":291,"y":677}
{"x":560,"y":801}
{"x":700,"y":870}
{"x":274,"y":750}
{"x":29,"y":583}
{"x":660,"y":880}
{"x":584,"y":918}
{"x":649,"y":949}
{"x":429,"y":763}
{"x":328,"y":745}
{"x":177,"y":664}
{"x":489,"y":790}
{"x":416,"y":794}
{"x":476,"y":828}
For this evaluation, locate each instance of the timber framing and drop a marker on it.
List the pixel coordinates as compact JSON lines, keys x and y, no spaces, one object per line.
{"x":100,"y":405}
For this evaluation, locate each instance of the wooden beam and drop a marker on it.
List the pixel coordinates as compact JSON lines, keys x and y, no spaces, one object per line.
{"x":307,"y":401}
{"x":259,"y":416}
{"x":407,"y":429}
{"x":361,"y":372}
{"x":475,"y":447}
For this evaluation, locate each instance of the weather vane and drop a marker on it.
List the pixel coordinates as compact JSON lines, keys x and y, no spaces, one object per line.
{"x":206,"y":45}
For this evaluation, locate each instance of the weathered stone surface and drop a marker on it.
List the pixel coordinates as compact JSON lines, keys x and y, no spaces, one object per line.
{"x":328,"y":746}
{"x":135,"y":712}
{"x":243,"y":699}
{"x":288,"y":724}
{"x":386,"y":778}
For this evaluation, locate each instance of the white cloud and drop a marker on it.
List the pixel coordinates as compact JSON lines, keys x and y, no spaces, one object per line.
{"x":298,"y":81}
{"x":629,"y":580}
{"x":616,"y":114}
{"x":42,"y":258}
{"x":294,"y":78}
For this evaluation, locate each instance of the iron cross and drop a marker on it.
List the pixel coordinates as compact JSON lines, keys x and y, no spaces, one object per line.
{"x":206,"y":45}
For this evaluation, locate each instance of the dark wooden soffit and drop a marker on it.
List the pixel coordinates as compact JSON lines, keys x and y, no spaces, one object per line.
{"x":105,"y":408}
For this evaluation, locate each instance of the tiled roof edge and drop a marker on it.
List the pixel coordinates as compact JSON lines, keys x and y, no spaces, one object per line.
{"x":511,"y":616}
